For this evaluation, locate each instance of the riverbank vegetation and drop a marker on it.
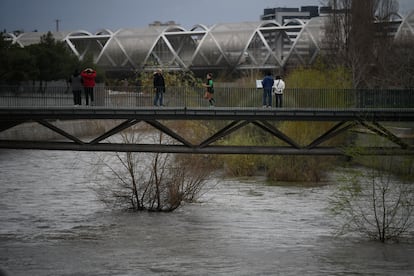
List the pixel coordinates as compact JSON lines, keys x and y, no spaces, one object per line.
{"x":290,"y":168}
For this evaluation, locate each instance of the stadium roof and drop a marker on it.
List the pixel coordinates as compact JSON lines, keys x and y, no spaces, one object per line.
{"x":236,"y":46}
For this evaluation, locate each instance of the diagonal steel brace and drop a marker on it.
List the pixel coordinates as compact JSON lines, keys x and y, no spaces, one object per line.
{"x":383,"y":132}
{"x":334,"y":131}
{"x":169,"y":132}
{"x":232,"y":127}
{"x":115,"y":130}
{"x":60,"y":131}
{"x":274,"y":131}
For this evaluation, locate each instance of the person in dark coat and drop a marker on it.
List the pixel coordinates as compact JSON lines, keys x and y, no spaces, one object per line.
{"x":267,"y":84}
{"x":159,"y":88}
{"x":76,"y":84}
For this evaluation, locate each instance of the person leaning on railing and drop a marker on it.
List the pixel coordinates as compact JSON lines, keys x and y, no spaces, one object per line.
{"x":88,"y":80}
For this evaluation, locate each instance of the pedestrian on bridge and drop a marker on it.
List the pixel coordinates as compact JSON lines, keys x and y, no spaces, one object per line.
{"x":267,"y":84}
{"x":278,"y":88}
{"x":159,"y":88}
{"x":76,"y":84}
{"x":88,"y":80}
{"x":209,"y":94}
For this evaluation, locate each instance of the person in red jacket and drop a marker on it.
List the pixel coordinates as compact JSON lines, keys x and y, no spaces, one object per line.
{"x":88,"y":80}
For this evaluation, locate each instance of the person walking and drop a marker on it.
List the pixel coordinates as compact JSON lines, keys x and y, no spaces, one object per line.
{"x":159,"y":88}
{"x":76,"y":84}
{"x":278,"y":88}
{"x":267,"y":84}
{"x":209,"y":94}
{"x":88,"y":80}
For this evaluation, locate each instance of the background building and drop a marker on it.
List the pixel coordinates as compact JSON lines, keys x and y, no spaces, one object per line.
{"x":283,"y":15}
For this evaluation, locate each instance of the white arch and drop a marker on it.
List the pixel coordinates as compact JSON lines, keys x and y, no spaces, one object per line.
{"x":295,"y":20}
{"x":267,"y":46}
{"x":169,"y":29}
{"x":104,"y":32}
{"x":74,"y":34}
{"x":78,"y":33}
{"x":199,"y":26}
{"x":269,"y":23}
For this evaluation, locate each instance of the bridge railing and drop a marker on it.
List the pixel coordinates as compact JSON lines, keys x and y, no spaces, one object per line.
{"x":192,"y":97}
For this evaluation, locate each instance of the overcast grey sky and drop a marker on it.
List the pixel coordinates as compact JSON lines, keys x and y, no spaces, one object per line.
{"x":94,"y":15}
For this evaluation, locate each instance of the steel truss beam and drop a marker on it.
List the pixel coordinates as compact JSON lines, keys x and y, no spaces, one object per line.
{"x":210,"y":145}
{"x":114,"y":147}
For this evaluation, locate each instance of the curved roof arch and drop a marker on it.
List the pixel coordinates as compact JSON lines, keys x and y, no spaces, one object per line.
{"x":269,"y":23}
{"x":174,"y":29}
{"x":79,"y":33}
{"x":104,"y":32}
{"x":202,"y":27}
{"x":295,"y":22}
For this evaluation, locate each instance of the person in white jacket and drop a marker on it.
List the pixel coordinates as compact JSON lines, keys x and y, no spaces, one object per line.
{"x":278,"y":87}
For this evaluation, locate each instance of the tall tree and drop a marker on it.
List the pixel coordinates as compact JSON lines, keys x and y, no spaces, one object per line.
{"x":356,"y":35}
{"x":16,"y":64}
{"x":53,"y":59}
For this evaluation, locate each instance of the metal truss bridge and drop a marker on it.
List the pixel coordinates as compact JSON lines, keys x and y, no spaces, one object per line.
{"x":232,"y":119}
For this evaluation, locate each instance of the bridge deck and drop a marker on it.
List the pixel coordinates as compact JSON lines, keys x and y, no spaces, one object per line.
{"x":236,"y":118}
{"x":217,"y":113}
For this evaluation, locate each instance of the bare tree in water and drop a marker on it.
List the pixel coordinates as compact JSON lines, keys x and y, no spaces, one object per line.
{"x":375,"y":203}
{"x":150,"y":181}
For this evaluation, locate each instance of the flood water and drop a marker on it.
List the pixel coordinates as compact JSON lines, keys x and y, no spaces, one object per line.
{"x":51,"y":223}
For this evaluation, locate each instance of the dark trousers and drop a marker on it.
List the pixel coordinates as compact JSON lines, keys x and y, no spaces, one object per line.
{"x":267,"y":96}
{"x":279,"y":100}
{"x":89,"y":95}
{"x":159,"y":96}
{"x":77,"y":98}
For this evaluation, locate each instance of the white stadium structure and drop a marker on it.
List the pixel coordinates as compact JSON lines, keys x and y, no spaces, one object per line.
{"x":236,"y":46}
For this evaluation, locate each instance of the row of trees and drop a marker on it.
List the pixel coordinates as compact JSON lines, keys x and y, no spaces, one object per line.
{"x":46,"y":61}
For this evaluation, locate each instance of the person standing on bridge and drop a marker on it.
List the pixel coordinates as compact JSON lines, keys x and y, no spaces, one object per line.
{"x":159,"y":88}
{"x":88,"y":80}
{"x":278,"y":88}
{"x":76,"y":84}
{"x":267,"y":84}
{"x":209,"y":94}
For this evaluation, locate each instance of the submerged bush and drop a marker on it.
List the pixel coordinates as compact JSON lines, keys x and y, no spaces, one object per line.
{"x":374,"y":203}
{"x":149,"y":181}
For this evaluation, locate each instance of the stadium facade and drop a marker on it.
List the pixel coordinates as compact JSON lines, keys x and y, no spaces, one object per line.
{"x":266,"y":44}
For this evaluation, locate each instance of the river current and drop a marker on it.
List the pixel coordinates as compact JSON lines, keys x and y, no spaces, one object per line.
{"x":51,"y":223}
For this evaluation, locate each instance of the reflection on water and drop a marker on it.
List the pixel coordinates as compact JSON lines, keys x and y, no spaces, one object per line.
{"x":52,"y":224}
